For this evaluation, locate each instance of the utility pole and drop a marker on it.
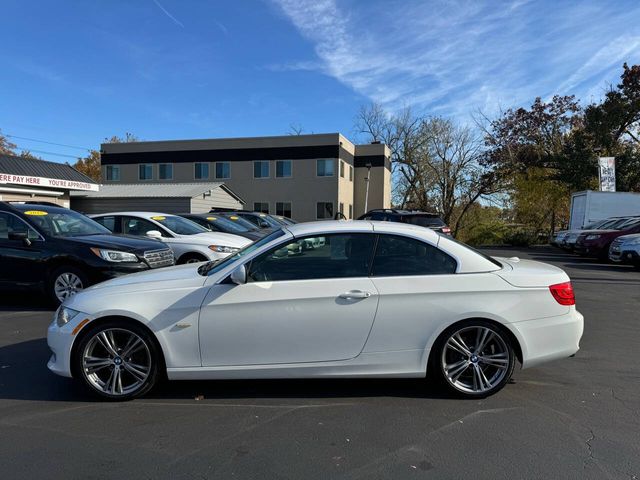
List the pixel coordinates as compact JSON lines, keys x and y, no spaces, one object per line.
{"x":366,"y":195}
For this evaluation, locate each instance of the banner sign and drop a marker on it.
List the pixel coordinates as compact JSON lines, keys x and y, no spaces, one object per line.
{"x":607,"y":174}
{"x":47,"y":182}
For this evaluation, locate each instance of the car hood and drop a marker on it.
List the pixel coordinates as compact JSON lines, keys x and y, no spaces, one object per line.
{"x":212,"y":238}
{"x":628,"y":238}
{"x":117,"y":242}
{"x":169,"y":278}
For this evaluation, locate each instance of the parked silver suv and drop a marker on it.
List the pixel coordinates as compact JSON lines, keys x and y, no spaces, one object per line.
{"x":626,"y":249}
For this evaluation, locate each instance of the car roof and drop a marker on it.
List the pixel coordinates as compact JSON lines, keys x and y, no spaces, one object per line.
{"x":330,"y":226}
{"x":137,"y":214}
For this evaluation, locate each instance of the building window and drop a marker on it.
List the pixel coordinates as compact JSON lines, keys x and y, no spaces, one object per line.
{"x":283,"y":209}
{"x":324,"y":210}
{"x":145,"y":172}
{"x":351,"y":173}
{"x":324,"y":167}
{"x":262,"y":207}
{"x":283,"y":168}
{"x":113,"y":173}
{"x":341,"y":169}
{"x":165,"y":171}
{"x":341,"y":208}
{"x":350,"y":211}
{"x":223,"y":170}
{"x":201,"y":171}
{"x":261,"y":169}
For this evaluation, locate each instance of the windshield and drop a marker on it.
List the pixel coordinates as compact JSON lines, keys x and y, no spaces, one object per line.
{"x":212,"y":267}
{"x":631,"y":222}
{"x":64,"y":223}
{"x":598,"y":224}
{"x":228,"y":225}
{"x":255,"y":218}
{"x":616,"y":224}
{"x":240,"y":221}
{"x":179,"y":225}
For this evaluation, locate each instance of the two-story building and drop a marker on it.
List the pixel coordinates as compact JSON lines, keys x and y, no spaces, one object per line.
{"x":305,"y":177}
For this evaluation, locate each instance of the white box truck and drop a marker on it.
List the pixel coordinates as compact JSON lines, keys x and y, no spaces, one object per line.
{"x":589,"y":206}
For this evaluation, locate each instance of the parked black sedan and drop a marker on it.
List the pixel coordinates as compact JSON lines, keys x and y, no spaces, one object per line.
{"x":220,"y":223}
{"x":59,"y":251}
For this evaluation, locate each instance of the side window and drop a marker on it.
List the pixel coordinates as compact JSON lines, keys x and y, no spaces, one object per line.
{"x":11,"y":223}
{"x":396,"y":256}
{"x":108,"y":222}
{"x":138,"y":227}
{"x":329,"y":256}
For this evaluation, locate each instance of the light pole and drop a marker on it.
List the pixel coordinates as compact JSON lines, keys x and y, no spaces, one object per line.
{"x":366,"y":194}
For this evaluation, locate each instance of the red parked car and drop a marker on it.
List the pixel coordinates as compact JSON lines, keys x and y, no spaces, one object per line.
{"x":595,"y":243}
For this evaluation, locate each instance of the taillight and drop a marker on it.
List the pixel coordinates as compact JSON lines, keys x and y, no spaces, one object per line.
{"x":446,"y":230}
{"x":563,"y":293}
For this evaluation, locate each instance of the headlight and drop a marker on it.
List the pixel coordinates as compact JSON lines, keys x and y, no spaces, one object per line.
{"x":64,"y":315}
{"x":115,"y":255}
{"x":592,"y":237}
{"x":223,"y":249}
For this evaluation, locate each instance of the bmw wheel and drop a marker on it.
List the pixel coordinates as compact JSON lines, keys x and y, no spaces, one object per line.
{"x":117,"y":360}
{"x":474,"y":359}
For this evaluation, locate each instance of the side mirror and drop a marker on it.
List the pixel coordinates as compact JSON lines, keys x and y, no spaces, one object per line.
{"x":154,"y":234}
{"x":264,"y":224}
{"x":24,"y":236}
{"x":239,"y":275}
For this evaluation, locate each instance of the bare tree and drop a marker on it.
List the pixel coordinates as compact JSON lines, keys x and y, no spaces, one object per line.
{"x":436,"y":165}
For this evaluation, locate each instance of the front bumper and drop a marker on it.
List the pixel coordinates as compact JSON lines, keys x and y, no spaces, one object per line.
{"x":547,"y":339}
{"x":630,"y":257}
{"x":60,"y":341}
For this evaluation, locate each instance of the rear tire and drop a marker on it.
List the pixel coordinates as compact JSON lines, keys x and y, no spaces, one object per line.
{"x":117,"y":361}
{"x":473,"y":359}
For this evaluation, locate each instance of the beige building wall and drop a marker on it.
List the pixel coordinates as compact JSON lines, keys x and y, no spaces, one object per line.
{"x":303,"y":189}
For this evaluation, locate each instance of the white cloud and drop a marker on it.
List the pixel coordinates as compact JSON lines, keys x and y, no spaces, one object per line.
{"x":453,"y":58}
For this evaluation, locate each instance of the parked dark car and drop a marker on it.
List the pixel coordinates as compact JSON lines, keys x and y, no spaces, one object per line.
{"x":59,"y":251}
{"x":414,"y":217}
{"x":596,"y":243}
{"x":259,"y":219}
{"x":220,"y":223}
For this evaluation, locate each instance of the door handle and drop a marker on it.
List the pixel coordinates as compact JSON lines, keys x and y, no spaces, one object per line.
{"x":355,"y":294}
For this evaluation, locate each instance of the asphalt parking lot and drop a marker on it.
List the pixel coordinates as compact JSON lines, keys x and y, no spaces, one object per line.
{"x":575,"y":418}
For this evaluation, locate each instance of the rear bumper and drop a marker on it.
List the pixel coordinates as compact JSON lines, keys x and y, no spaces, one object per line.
{"x":547,"y":339}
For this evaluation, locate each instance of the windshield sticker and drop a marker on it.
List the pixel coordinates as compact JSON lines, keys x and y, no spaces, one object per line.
{"x":37,"y":213}
{"x":158,"y":218}
{"x":211,"y":218}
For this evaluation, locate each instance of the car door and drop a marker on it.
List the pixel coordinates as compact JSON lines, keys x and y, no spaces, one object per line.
{"x":22,"y":262}
{"x":420,"y":291}
{"x":297,"y":306}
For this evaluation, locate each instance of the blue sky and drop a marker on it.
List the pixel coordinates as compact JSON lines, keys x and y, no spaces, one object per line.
{"x":75,"y":72}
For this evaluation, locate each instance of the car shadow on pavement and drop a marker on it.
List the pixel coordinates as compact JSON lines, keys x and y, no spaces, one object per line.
{"x":24,"y":376}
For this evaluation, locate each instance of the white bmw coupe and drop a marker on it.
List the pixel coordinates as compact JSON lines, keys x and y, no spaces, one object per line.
{"x":372,"y":299}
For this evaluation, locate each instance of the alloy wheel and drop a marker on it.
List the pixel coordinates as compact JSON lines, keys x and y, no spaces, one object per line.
{"x":66,"y":285}
{"x":116,"y":361}
{"x":475,"y":359}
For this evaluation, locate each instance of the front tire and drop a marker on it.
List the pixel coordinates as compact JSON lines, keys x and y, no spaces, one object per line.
{"x":473,"y":359}
{"x":191,"y":258}
{"x":65,"y":282}
{"x":117,"y":361}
